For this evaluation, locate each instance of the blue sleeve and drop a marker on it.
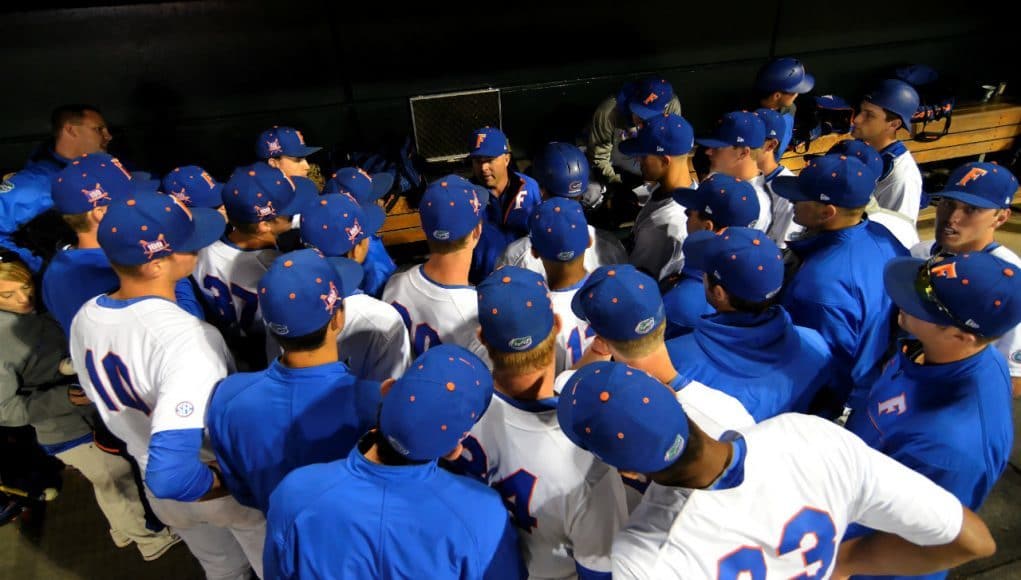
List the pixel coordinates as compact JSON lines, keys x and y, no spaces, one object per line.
{"x":506,"y":560}
{"x":586,"y":574}
{"x":23,"y":196}
{"x":34,"y":263}
{"x":788,"y":134}
{"x":184,"y":292}
{"x":222,"y":449}
{"x":175,"y":470}
{"x":378,"y":267}
{"x":964,"y":481}
{"x":838,"y":329}
{"x":489,"y":249}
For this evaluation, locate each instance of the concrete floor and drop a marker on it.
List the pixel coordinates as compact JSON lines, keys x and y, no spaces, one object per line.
{"x":76,"y":545}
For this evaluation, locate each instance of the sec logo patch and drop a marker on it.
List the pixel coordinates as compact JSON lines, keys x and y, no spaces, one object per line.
{"x":184,"y":409}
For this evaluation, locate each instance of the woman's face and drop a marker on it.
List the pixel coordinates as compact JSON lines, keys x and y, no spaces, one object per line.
{"x":17,"y":297}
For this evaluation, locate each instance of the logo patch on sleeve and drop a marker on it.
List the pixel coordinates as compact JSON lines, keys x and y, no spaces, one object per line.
{"x":184,"y":409}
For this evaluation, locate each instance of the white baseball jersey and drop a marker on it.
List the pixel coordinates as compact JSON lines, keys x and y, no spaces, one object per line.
{"x":1009,"y":344}
{"x":765,"y":203}
{"x":566,"y":503}
{"x":606,"y":249}
{"x":435,"y":313}
{"x":373,"y":343}
{"x":897,"y":223}
{"x":659,"y":226}
{"x":148,"y":365}
{"x":575,"y":334}
{"x":781,"y":508}
{"x":901,"y":190}
{"x":229,"y":279}
{"x":782,"y":228}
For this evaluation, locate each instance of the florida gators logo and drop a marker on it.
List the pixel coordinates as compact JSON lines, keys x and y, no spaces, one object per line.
{"x":331,"y":299}
{"x":645,"y":326}
{"x":354,"y":231}
{"x":273,"y":147}
{"x":160,"y":244}
{"x":479,"y":139}
{"x":896,"y":406}
{"x":520,"y":343}
{"x":96,"y":195}
{"x":973,"y":174}
{"x":265,"y":211}
{"x":650,"y":99}
{"x":944,"y":271}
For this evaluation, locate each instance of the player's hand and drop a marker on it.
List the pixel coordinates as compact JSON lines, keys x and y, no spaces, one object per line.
{"x":77,"y":396}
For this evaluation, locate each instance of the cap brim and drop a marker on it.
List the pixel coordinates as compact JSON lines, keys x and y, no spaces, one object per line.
{"x":302,"y":197}
{"x":303,"y":151}
{"x":209,"y":226}
{"x":635,"y":148}
{"x":972,"y":199}
{"x":374,"y":217}
{"x":899,"y":281}
{"x":804,"y":86}
{"x":685,"y":196}
{"x":787,"y":187}
{"x":577,"y":308}
{"x":350,"y":274}
{"x":381,"y":184}
{"x":712,"y":143}
{"x":644,"y":113}
{"x":146,"y":185}
{"x":217,"y":194}
{"x":486,"y":153}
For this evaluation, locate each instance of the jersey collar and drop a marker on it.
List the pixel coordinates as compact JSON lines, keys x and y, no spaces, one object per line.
{"x":733,"y":475}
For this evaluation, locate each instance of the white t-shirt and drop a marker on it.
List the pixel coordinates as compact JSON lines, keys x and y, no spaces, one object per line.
{"x":575,"y":334}
{"x":435,"y":313}
{"x":606,"y":249}
{"x":901,"y":190}
{"x":804,"y":480}
{"x":1009,"y":344}
{"x":660,"y":225}
{"x":782,"y":228}
{"x":228,"y":277}
{"x":570,"y":503}
{"x":765,"y":203}
{"x":148,"y":365}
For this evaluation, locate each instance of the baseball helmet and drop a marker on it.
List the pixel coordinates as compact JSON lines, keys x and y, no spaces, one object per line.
{"x":562,"y":170}
{"x":895,"y":96}
{"x":786,"y":75}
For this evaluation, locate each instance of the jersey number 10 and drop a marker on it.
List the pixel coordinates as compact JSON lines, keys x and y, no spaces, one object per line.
{"x":120,"y":383}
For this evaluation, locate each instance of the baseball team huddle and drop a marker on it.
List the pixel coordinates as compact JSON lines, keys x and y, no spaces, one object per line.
{"x":769,"y":376}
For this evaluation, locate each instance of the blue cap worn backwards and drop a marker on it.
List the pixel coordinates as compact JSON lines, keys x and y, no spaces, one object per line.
{"x":193,"y":187}
{"x":773,"y":122}
{"x":737,"y":129}
{"x":488,"y":142}
{"x":435,"y":403}
{"x":837,"y":180}
{"x":515,"y":311}
{"x":746,"y":263}
{"x":451,"y":207}
{"x":148,"y":226}
{"x":558,"y":230}
{"x":91,"y":181}
{"x":301,"y":291}
{"x":984,"y":185}
{"x":623,"y":416}
{"x":726,"y":200}
{"x":259,"y":193}
{"x":282,"y":141}
{"x":665,"y":135}
{"x":619,"y":302}
{"x":335,"y":223}
{"x":357,"y":183}
{"x":650,"y":97}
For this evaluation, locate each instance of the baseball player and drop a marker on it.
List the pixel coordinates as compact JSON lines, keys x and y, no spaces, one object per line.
{"x":374,"y":342}
{"x":765,"y":521}
{"x":435,"y":300}
{"x":883,"y":112}
{"x":943,"y":406}
{"x":663,"y":145}
{"x":150,"y":367}
{"x":567,"y":503}
{"x":307,"y":407}
{"x":972,"y":206}
{"x":194,"y":187}
{"x":284,"y":148}
{"x":778,"y":83}
{"x":838,"y":288}
{"x":781,"y":225}
{"x":562,"y":172}
{"x":367,"y":190}
{"x":684,"y":303}
{"x":734,"y":149}
{"x":260,"y":202}
{"x":81,"y":193}
{"x":749,"y":348}
{"x":388,"y":510}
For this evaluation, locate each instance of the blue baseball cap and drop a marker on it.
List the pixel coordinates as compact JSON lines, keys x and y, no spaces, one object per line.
{"x":193,"y":187}
{"x":694,"y":250}
{"x":335,"y":223}
{"x":650,"y":97}
{"x":488,"y":142}
{"x":861,"y":151}
{"x":435,"y":403}
{"x":91,"y":181}
{"x":773,"y":122}
{"x":282,"y":141}
{"x":737,"y":129}
{"x":976,"y":292}
{"x":619,"y":302}
{"x":728,"y":201}
{"x":356,"y":182}
{"x":259,"y":192}
{"x":838,"y":180}
{"x":515,"y":311}
{"x":786,"y":75}
{"x":747,"y":264}
{"x":558,"y":230}
{"x":301,"y":291}
{"x":985,"y":185}
{"x":623,"y":416}
{"x":148,"y":226}
{"x":451,"y":207}
{"x":661,"y":135}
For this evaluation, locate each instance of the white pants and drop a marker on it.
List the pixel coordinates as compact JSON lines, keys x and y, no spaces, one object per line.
{"x":223,"y":535}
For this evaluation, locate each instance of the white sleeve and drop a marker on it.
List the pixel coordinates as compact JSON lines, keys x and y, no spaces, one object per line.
{"x":652,"y":247}
{"x":394,"y":350}
{"x":596,"y":513}
{"x":675,"y":263}
{"x":715,"y":412}
{"x":903,"y":193}
{"x":893,"y":498}
{"x":636,"y":547}
{"x":922,"y":249}
{"x":1009,"y":346}
{"x":608,"y":249}
{"x":189,"y":365}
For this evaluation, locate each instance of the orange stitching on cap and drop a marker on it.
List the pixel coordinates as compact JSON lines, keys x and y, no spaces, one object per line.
{"x":443,"y":427}
{"x":288,"y":264}
{"x":319,"y":280}
{"x":494,"y":312}
{"x":412,"y":398}
{"x":506,"y":279}
{"x":620,"y":435}
{"x":645,"y":400}
{"x":604,"y":396}
{"x":964,"y":281}
{"x":145,"y":228}
{"x":451,"y":386}
{"x":528,"y":304}
{"x":611,"y":273}
{"x":292,"y":295}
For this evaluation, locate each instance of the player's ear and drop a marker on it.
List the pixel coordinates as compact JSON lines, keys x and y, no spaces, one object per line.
{"x":1001,"y":217}
{"x":454,"y":453}
{"x":477,"y":232}
{"x":273,"y":162}
{"x":709,"y":225}
{"x":828,"y":212}
{"x":384,"y":388}
{"x":96,"y":214}
{"x":337,"y":321}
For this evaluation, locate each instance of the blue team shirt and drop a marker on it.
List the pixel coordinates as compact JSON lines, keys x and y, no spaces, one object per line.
{"x":512,"y":209}
{"x":264,"y":425}
{"x":378,"y":267}
{"x":838,"y":291}
{"x":685,"y":304}
{"x":764,"y":361}
{"x":950,"y":422}
{"x":357,"y":519}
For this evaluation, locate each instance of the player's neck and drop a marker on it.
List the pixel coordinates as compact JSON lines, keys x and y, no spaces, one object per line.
{"x":66,"y":150}
{"x":678,"y":176}
{"x":941,"y":354}
{"x":135,"y":288}
{"x":882,"y":142}
{"x":501,"y":184}
{"x":532,"y":386}
{"x":88,"y":240}
{"x":657,"y":364}
{"x":449,"y":269}
{"x":747,"y":171}
{"x":708,"y":466}
{"x":840,"y":223}
{"x":325,"y":354}
{"x":767,"y":163}
{"x":252,"y":241}
{"x":561,"y":275}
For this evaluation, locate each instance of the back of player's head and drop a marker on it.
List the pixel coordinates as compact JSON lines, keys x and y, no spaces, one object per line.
{"x":558,"y":230}
{"x":736,"y":129}
{"x":747,"y":264}
{"x":516,"y":316}
{"x":72,"y":113}
{"x":624,"y":416}
{"x":193,"y":187}
{"x":561,"y":170}
{"x":335,"y":223}
{"x":839,"y":180}
{"x":357,"y":183}
{"x":663,"y":135}
{"x":621,"y":304}
{"x":451,"y":208}
{"x":91,"y":181}
{"x":258,"y":193}
{"x":430,"y":409}
{"x":726,"y":200}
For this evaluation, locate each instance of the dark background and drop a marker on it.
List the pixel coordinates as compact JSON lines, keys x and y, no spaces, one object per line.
{"x":195,"y":82}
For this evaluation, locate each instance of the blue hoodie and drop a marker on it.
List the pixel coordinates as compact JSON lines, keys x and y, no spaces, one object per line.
{"x":764,"y":360}
{"x":685,"y":304}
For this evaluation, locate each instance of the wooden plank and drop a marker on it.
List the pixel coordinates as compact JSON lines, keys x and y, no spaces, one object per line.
{"x":965,"y":150}
{"x":954,"y":138}
{"x":405,"y":236}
